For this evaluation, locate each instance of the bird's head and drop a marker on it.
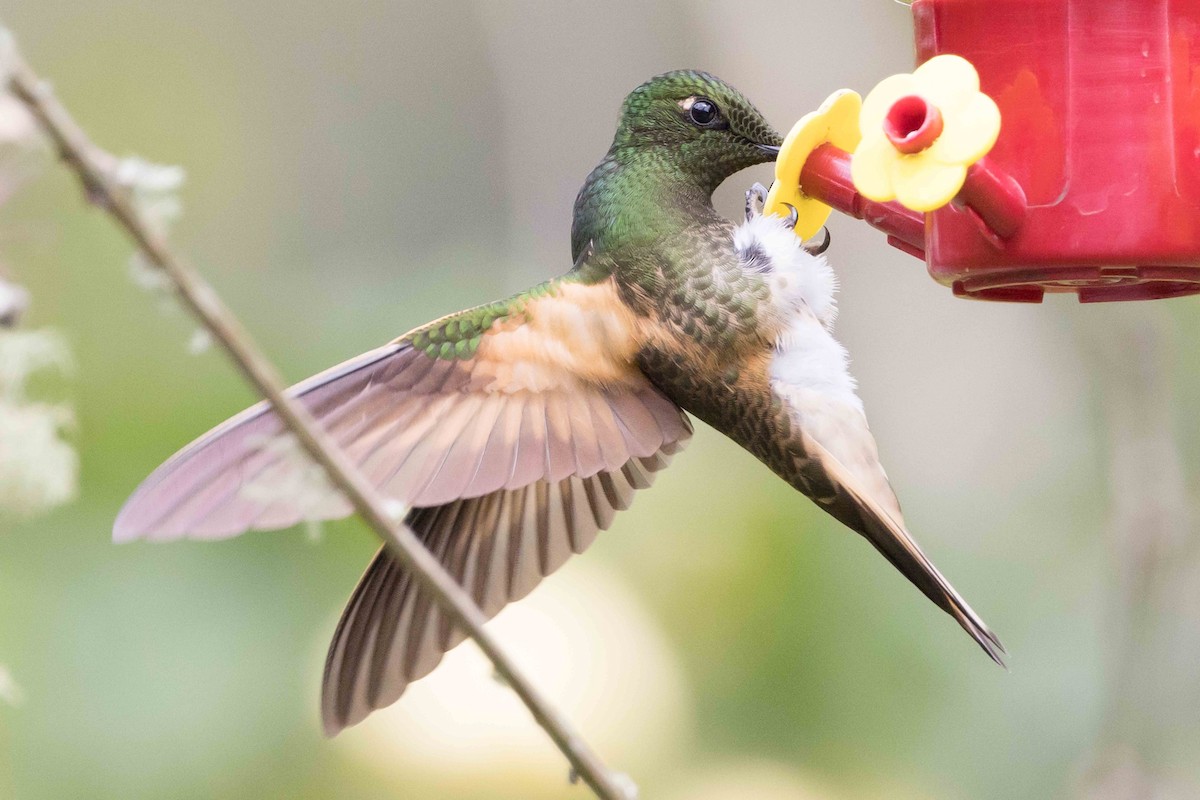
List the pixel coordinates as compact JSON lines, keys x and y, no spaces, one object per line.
{"x":695,"y":125}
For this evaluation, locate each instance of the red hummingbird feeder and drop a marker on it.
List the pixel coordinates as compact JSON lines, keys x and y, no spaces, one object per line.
{"x":1090,"y":185}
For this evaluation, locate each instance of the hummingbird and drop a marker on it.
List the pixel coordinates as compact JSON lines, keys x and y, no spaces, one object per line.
{"x":515,"y":430}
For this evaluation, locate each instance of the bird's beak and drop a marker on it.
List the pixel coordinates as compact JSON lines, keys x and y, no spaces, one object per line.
{"x":769,"y":149}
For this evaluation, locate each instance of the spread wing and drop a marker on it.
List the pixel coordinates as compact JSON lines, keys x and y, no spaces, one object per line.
{"x":514,"y":431}
{"x":540,"y":388}
{"x":498,"y":546}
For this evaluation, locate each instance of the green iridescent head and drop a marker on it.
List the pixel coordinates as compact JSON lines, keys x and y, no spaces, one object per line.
{"x":697,"y":124}
{"x":680,"y":136}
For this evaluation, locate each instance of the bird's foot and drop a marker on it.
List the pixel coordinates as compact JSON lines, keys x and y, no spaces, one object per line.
{"x":756,"y":198}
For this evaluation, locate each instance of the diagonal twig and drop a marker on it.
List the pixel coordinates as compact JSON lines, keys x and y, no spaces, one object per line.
{"x":199,"y":297}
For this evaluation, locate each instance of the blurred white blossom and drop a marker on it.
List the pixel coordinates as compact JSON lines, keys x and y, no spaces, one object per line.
{"x":14,"y":300}
{"x":10,"y":692}
{"x":626,"y":785}
{"x":153,"y":281}
{"x":38,"y":468}
{"x":146,"y":276}
{"x":201,"y":341}
{"x":152,"y":188}
{"x":296,"y":480}
{"x":22,"y":353}
{"x":154,"y":192}
{"x":22,"y":147}
{"x":396,"y":509}
{"x":18,"y":129}
{"x":17,"y":125}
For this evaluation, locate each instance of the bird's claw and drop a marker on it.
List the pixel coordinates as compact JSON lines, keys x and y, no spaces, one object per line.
{"x":792,"y":217}
{"x":817,"y":249}
{"x":756,"y":198}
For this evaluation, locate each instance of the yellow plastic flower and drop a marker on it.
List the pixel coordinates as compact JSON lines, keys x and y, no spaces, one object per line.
{"x":920,"y":132}
{"x":834,"y":122}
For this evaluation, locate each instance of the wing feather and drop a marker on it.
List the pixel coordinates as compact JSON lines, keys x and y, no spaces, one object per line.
{"x":427,"y":429}
{"x":498,"y":463}
{"x":469,"y":454}
{"x":609,"y":439}
{"x":637,"y":424}
{"x":532,"y":460}
{"x":498,"y":546}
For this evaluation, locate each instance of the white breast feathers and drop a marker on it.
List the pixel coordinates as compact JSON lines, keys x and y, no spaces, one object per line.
{"x":801,"y":311}
{"x":796,"y":277}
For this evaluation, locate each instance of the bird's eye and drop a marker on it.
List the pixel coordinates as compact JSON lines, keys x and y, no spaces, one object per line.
{"x":703,"y":111}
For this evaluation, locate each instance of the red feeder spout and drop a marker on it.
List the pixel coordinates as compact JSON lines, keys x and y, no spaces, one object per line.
{"x":995,"y":198}
{"x":990,"y":195}
{"x":912,"y":124}
{"x":814,"y":171}
{"x":826,"y":177}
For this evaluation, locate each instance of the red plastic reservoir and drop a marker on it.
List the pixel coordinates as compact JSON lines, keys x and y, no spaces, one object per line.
{"x":1100,"y":102}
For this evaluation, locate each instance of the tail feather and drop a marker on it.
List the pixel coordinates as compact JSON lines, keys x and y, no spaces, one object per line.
{"x":898,"y":547}
{"x":855,"y":507}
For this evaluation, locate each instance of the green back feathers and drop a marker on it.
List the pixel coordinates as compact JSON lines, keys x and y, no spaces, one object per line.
{"x":457,"y":336}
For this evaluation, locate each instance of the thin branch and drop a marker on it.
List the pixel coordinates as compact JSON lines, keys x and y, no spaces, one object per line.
{"x":82,"y":156}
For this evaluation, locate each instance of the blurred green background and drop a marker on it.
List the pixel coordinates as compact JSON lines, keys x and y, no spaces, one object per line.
{"x":358,"y":168}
